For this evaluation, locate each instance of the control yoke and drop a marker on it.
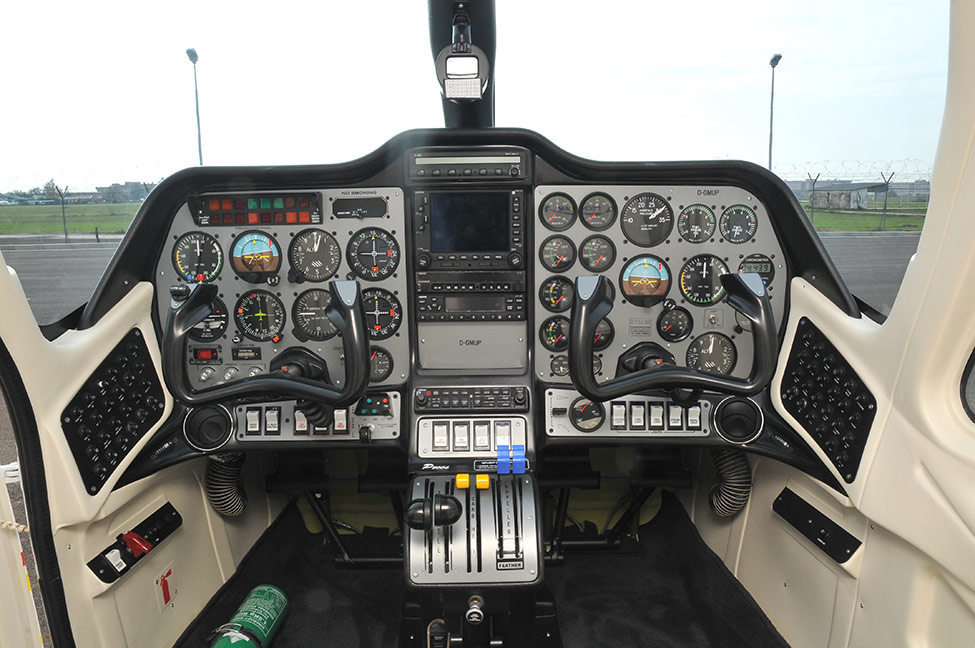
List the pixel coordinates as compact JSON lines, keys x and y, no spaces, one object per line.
{"x":746,"y":294}
{"x":293,"y":374}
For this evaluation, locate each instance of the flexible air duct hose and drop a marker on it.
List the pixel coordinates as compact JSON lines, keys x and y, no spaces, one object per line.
{"x":224,"y":488}
{"x":733,"y":483}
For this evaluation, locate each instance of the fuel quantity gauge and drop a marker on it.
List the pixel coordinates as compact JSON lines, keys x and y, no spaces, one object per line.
{"x":598,"y":212}
{"x":557,"y":212}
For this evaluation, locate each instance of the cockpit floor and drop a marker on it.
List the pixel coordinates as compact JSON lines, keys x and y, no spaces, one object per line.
{"x":671,"y":592}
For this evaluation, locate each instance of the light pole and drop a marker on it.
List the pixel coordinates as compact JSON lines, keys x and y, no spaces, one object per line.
{"x":775,"y":61}
{"x":191,"y":54}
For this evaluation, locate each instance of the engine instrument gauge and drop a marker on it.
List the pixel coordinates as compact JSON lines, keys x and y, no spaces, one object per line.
{"x":380,"y":364}
{"x":557,"y":253}
{"x":647,"y":219}
{"x":586,"y":415}
{"x":556,"y":294}
{"x":675,"y":324}
{"x":598,"y":212}
{"x":314,"y":255}
{"x":260,"y":316}
{"x":603,"y":336}
{"x":738,"y":223}
{"x":700,"y":279}
{"x":197,"y":257}
{"x":555,"y":333}
{"x":758,"y":263}
{"x":383,"y":313}
{"x":309,"y":315}
{"x":696,"y":223}
{"x":712,"y":353}
{"x":213,"y":326}
{"x":373,"y":253}
{"x":645,"y":281}
{"x":597,"y":365}
{"x":255,"y":255}
{"x":597,"y":253}
{"x":560,"y":365}
{"x":557,"y":212}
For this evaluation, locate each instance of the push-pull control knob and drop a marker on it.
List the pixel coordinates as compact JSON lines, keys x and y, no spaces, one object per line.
{"x":426,"y":513}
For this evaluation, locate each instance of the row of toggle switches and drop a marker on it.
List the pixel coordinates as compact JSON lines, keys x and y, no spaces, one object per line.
{"x":633,"y":416}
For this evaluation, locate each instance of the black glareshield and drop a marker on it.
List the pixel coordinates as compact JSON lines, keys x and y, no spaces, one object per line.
{"x":746,"y":294}
{"x":192,"y":304}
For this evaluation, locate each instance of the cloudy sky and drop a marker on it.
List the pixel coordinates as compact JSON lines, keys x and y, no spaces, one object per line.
{"x":99,"y":92}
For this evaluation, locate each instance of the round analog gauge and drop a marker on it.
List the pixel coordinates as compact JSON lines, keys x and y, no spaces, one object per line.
{"x":555,"y":333}
{"x":647,"y":219}
{"x":383,"y":313}
{"x":675,"y":324}
{"x":696,"y":223}
{"x":260,"y":316}
{"x":309,"y":315}
{"x":712,"y":353}
{"x":557,"y":212}
{"x":700,"y":279}
{"x":587,"y":415}
{"x":758,"y":263}
{"x":314,"y":255}
{"x":213,"y":326}
{"x":197,"y":257}
{"x":597,"y":253}
{"x":598,"y":212}
{"x":255,"y":254}
{"x":556,"y":294}
{"x":645,"y":281}
{"x":373,"y":253}
{"x":557,"y":254}
{"x":380,"y":365}
{"x":738,"y":223}
{"x":560,"y":365}
{"x":597,"y":365}
{"x":603,"y":336}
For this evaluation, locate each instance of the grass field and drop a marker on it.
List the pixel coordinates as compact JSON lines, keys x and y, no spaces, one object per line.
{"x":46,"y":219}
{"x":828,"y":221}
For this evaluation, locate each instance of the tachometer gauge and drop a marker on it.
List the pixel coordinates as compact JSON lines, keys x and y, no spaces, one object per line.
{"x":557,"y":253}
{"x":255,"y":255}
{"x":197,"y":257}
{"x":675,"y":324}
{"x":758,"y":263}
{"x":213,"y":326}
{"x":696,"y":223}
{"x":555,"y":333}
{"x":700,"y":279}
{"x":383,"y":313}
{"x":597,"y":253}
{"x":556,"y":294}
{"x":260,"y":316}
{"x":603,"y":336}
{"x":586,"y":415}
{"x":712,"y":353}
{"x":314,"y":255}
{"x":738,"y":223}
{"x":380,"y":364}
{"x":311,"y":323}
{"x":598,"y":211}
{"x":645,"y":281}
{"x":647,"y":219}
{"x":373,"y":253}
{"x":557,"y":212}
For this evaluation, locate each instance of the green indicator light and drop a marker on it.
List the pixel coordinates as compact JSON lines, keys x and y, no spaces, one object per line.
{"x":265,"y":203}
{"x":252,"y":203}
{"x":279,"y":203}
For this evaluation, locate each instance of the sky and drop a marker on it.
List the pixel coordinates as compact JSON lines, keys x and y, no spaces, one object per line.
{"x":99,"y":92}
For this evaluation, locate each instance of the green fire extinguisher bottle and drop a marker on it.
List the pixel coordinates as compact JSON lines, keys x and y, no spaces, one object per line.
{"x":256,"y":621}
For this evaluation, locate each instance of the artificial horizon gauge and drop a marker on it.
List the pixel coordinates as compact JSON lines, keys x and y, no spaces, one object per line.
{"x":712,"y":353}
{"x":603,"y":336}
{"x":255,"y":255}
{"x":598,"y":212}
{"x":555,"y":333}
{"x":647,"y":219}
{"x":557,"y":253}
{"x":586,"y":415}
{"x":645,"y":281}
{"x":556,"y":294}
{"x":314,"y":255}
{"x":383,"y":313}
{"x":380,"y":364}
{"x":597,"y":253}
{"x":260,"y":316}
{"x":197,"y":257}
{"x":213,"y":326}
{"x":373,"y":253}
{"x":696,"y":223}
{"x":738,"y":223}
{"x":310,"y":319}
{"x":675,"y":324}
{"x":700,"y":279}
{"x":557,"y":212}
